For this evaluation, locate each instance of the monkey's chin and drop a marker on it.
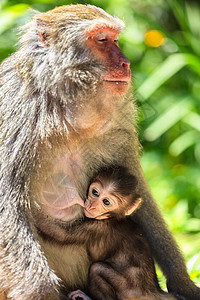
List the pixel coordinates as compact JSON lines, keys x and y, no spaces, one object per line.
{"x":119,"y":88}
{"x":88,"y":214}
{"x":91,"y":216}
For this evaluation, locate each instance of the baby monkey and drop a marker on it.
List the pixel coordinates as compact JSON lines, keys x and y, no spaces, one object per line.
{"x":117,"y":271}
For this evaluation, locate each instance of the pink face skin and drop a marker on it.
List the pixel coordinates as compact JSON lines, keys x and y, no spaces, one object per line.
{"x":102,"y":40}
{"x":100,"y":201}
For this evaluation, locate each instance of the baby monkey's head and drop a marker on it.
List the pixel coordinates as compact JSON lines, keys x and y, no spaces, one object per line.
{"x":112,"y":193}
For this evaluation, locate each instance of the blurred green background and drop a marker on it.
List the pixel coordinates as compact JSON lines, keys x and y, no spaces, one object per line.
{"x":162,"y":42}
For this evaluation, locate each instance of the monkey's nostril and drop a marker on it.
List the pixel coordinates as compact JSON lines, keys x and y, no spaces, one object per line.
{"x":125,"y":65}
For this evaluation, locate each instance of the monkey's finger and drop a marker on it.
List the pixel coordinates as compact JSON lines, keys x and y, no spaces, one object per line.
{"x":78,"y":294}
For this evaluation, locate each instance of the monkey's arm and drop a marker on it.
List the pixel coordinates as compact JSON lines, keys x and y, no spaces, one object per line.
{"x":24,"y":270}
{"x":163,"y":245}
{"x":29,"y":272}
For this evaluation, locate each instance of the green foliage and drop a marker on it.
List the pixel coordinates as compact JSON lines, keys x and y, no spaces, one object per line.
{"x":167,"y":86}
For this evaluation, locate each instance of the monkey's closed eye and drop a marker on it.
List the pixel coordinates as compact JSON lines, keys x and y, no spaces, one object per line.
{"x":103,"y":40}
{"x":106,"y":202}
{"x":95,"y":193}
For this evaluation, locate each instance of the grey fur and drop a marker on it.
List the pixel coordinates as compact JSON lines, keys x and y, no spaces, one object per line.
{"x":42,"y":90}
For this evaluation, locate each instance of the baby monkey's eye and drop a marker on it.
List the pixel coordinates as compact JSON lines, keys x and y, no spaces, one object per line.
{"x":95,"y":193}
{"x":106,"y":202}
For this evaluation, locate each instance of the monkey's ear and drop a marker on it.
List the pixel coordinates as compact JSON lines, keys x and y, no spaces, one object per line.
{"x":42,"y":33}
{"x":133,"y":207}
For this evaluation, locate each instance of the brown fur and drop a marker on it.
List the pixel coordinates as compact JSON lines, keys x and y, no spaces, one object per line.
{"x":122,"y":265}
{"x":3,"y":296}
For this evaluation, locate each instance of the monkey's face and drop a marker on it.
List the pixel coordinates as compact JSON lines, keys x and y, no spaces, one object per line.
{"x":100,"y":201}
{"x":78,"y":55}
{"x":102,"y":40}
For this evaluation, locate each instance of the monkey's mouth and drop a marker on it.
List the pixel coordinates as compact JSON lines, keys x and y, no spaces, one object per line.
{"x":88,"y":214}
{"x":117,"y":87}
{"x":118,"y":78}
{"x":95,"y":216}
{"x":117,"y":82}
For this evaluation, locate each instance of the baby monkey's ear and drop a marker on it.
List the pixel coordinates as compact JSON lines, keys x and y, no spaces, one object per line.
{"x":135,"y":206}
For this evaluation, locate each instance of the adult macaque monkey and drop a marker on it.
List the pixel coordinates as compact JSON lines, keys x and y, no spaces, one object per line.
{"x":118,"y":271}
{"x":64,"y":101}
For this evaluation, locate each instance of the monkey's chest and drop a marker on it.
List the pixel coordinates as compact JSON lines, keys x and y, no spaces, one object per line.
{"x":69,"y":169}
{"x":102,"y":240}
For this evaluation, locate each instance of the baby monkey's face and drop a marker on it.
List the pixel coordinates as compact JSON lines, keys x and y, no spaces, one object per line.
{"x":100,"y":201}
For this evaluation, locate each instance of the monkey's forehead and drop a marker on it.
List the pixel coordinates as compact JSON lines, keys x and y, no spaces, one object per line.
{"x":110,"y":21}
{"x":88,"y":14}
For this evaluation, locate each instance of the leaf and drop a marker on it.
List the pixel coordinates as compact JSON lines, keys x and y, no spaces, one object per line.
{"x":169,"y":118}
{"x":166,"y":70}
{"x":193,"y":120}
{"x":191,"y":263}
{"x":183,"y":142}
{"x":8,"y":15}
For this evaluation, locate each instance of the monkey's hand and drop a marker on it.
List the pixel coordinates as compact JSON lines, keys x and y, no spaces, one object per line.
{"x":76,"y":295}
